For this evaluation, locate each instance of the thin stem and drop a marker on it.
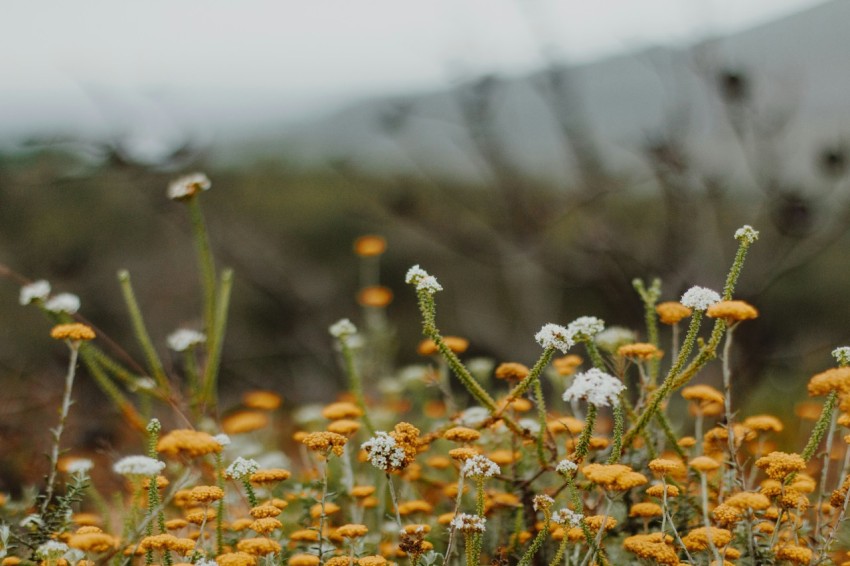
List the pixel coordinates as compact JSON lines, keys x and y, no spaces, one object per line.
{"x":206,"y":264}
{"x":216,"y":339}
{"x":821,"y":426}
{"x":394,"y":498}
{"x":141,"y":332}
{"x":355,"y":383}
{"x":727,"y":393}
{"x":703,"y":481}
{"x":452,"y":528}
{"x":322,"y":504}
{"x":57,"y":432}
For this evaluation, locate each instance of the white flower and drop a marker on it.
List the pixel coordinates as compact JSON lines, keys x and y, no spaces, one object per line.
{"x":598,"y":387}
{"x":480,"y":467}
{"x":79,"y":466}
{"x":35,"y":291}
{"x":241,"y":468}
{"x":473,"y":416}
{"x":138,"y":466}
{"x":699,"y":298}
{"x":746,"y":234}
{"x":613,"y":337}
{"x":184,"y":338}
{"x":567,"y":517}
{"x":565,"y":467}
{"x":554,"y":336}
{"x":383,"y":452}
{"x":63,"y":302}
{"x":842,"y":355}
{"x":467,"y":523}
{"x":531,"y":425}
{"x":585,"y":327}
{"x":31,"y":520}
{"x":222,"y":439}
{"x":342,"y":328}
{"x":414,"y":274}
{"x":51,"y":550}
{"x":542,"y":501}
{"x":188,"y":186}
{"x":429,"y":284}
{"x":143,"y":384}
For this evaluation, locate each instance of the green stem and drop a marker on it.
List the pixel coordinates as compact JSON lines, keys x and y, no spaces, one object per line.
{"x":583,"y":444}
{"x":141,"y":332}
{"x":821,"y":426}
{"x":219,"y":519}
{"x":249,"y":491}
{"x":216,"y":339}
{"x":355,"y":382}
{"x":619,"y":424}
{"x":206,"y":264}
{"x":594,"y":354}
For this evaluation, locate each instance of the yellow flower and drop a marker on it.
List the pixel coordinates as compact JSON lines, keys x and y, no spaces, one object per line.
{"x":671,"y":312}
{"x":376,"y":296}
{"x":645,"y":509}
{"x":640,"y":351}
{"x":370,"y":245}
{"x":265,"y":525}
{"x":512,"y":371}
{"x":703,"y":393}
{"x":415,"y":506}
{"x":657,"y":491}
{"x":613,"y":477}
{"x":191,"y":443}
{"x":663,"y":466}
{"x":372,"y":561}
{"x":567,"y":365}
{"x":732,"y":311}
{"x":235,"y":559}
{"x":456,"y":344}
{"x":74,"y":331}
{"x":352,"y":530}
{"x":263,"y":400}
{"x":763,"y":423}
{"x":461,"y":434}
{"x":835,"y":379}
{"x":748,"y":500}
{"x":345,"y":427}
{"x":361,"y":491}
{"x":697,"y":540}
{"x":199,"y":516}
{"x":206,"y":493}
{"x":265,"y":510}
{"x":92,"y":542}
{"x":325,"y":441}
{"x":654,"y":546}
{"x":795,"y":554}
{"x":341,"y":410}
{"x":704,"y":464}
{"x":258,"y":546}
{"x":241,"y":422}
{"x":778,"y":465}
{"x":303,"y":560}
{"x":269,"y":476}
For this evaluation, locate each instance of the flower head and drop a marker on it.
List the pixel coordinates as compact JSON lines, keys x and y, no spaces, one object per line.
{"x":480,"y":467}
{"x":542,"y":502}
{"x":596,"y":386}
{"x":567,"y":517}
{"x":342,"y":328}
{"x":79,"y":466}
{"x":35,"y":291}
{"x":414,"y":274}
{"x":184,"y":338}
{"x":74,"y":331}
{"x":746,"y":234}
{"x":699,"y":298}
{"x":138,"y":466}
{"x":188,"y":186}
{"x":842,"y":355}
{"x":466,"y":523}
{"x":63,"y":302}
{"x":555,"y":336}
{"x":585,"y":327}
{"x":565,"y":467}
{"x":222,"y":439}
{"x":51,"y":550}
{"x":429,"y":284}
{"x":241,"y":468}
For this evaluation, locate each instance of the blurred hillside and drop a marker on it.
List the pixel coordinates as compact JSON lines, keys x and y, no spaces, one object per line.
{"x":533,"y":201}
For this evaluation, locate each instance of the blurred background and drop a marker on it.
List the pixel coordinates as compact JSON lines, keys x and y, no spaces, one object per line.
{"x":534,"y":155}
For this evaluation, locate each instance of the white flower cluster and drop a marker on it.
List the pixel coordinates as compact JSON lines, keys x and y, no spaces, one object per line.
{"x":222,"y":439}
{"x":746,"y":234}
{"x":184,"y":338}
{"x":342,"y":328}
{"x":40,"y":291}
{"x":188,"y":185}
{"x":138,"y":466}
{"x":565,"y":467}
{"x":79,"y":466}
{"x":555,"y":336}
{"x":531,"y":425}
{"x":542,"y":501}
{"x":473,"y":416}
{"x":598,"y":387}
{"x":51,"y":550}
{"x":567,"y":517}
{"x":423,"y":280}
{"x":35,"y":291}
{"x":585,"y":327}
{"x":842,"y":355}
{"x":241,"y":468}
{"x":699,"y":298}
{"x":383,"y":452}
{"x":480,"y":467}
{"x":467,"y":523}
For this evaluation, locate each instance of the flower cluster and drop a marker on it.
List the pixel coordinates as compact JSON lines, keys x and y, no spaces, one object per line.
{"x":555,"y":336}
{"x":596,"y":387}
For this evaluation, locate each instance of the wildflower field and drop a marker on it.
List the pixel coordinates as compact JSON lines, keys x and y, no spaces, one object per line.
{"x":572,"y":458}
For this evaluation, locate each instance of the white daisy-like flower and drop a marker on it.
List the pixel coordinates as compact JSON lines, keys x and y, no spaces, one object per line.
{"x":613,"y":337}
{"x":342,"y":328}
{"x":51,"y":550}
{"x":79,"y":466}
{"x":842,"y":355}
{"x":565,"y":467}
{"x":480,"y":467}
{"x":699,"y":298}
{"x":184,"y":338}
{"x":188,"y":185}
{"x":567,"y":517}
{"x":554,"y":336}
{"x":473,"y":416}
{"x":585,"y":327}
{"x":241,"y":468}
{"x":414,"y":274}
{"x":35,"y":291}
{"x":746,"y":234}
{"x":429,"y":284}
{"x":384,"y":453}
{"x":138,"y":466}
{"x":596,"y":386}
{"x":63,"y":302}
{"x":467,"y":523}
{"x":222,"y":439}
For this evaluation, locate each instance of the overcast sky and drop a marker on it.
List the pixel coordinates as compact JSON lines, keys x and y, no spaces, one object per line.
{"x":99,"y":64}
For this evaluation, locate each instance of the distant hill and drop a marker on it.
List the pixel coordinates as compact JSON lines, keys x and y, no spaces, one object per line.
{"x":796,"y":71}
